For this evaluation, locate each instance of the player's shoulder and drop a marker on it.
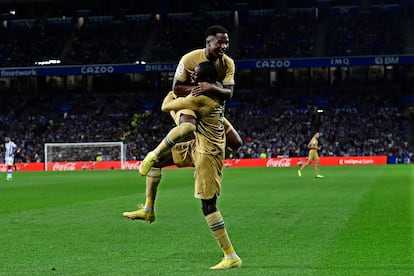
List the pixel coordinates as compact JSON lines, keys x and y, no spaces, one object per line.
{"x":193,"y":53}
{"x":192,"y":58}
{"x":226,"y":57}
{"x":199,"y":99}
{"x":228,"y":61}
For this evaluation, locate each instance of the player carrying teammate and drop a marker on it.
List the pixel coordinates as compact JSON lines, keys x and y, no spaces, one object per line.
{"x":217,"y":43}
{"x":206,"y":154}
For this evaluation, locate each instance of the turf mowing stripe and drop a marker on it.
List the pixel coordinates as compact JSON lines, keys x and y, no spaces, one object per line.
{"x":378,"y":236}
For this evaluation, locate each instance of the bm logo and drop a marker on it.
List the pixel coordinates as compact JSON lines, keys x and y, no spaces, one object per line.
{"x":386,"y":60}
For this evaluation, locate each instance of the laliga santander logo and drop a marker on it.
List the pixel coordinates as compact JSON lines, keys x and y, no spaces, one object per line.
{"x":282,"y":162}
{"x":132,"y":165}
{"x":69,"y":166}
{"x":227,"y":164}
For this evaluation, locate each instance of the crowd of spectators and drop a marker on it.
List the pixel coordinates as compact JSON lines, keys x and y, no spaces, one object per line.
{"x":359,"y":34}
{"x":288,"y":37}
{"x":142,"y":32}
{"x":270,"y":125}
{"x":361,"y":127}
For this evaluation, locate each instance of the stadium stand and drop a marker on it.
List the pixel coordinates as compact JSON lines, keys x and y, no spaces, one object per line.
{"x":93,"y":34}
{"x":84,"y":32}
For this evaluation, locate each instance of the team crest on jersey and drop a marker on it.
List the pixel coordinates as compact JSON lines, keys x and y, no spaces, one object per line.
{"x":180,"y":69}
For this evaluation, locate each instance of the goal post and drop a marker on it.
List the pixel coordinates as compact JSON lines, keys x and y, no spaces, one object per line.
{"x":58,"y":155}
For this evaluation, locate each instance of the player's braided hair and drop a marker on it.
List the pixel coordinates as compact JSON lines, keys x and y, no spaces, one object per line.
{"x":215,"y":29}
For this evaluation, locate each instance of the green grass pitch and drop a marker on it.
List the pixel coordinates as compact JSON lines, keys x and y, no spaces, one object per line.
{"x":356,"y":221}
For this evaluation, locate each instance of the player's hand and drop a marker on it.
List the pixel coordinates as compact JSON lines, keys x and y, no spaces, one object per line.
{"x":195,"y":91}
{"x":201,"y":88}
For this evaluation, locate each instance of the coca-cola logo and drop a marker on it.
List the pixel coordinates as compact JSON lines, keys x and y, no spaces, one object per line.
{"x":132,"y":165}
{"x":282,"y":162}
{"x":69,"y":166}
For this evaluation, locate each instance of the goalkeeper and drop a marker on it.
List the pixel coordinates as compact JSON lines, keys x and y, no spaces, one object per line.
{"x":206,"y":154}
{"x":217,"y":43}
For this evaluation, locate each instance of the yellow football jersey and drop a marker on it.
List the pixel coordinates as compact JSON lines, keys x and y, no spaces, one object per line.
{"x":209,"y":134}
{"x":225,"y":66}
{"x":313,"y":144}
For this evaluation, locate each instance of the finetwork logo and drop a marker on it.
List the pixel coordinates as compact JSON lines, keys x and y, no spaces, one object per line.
{"x":18,"y":73}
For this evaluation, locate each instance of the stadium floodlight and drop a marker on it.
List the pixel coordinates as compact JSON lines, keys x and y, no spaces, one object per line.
{"x":56,"y":153}
{"x":48,"y":62}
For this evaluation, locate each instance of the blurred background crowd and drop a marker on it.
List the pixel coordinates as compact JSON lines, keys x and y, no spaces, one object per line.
{"x":87,"y":32}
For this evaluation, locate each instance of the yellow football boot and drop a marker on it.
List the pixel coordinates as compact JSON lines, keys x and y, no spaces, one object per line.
{"x":227,"y":263}
{"x":140,"y":214}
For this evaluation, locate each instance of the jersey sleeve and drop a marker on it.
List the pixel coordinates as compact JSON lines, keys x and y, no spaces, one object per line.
{"x":230,"y":71}
{"x":185,"y":67}
{"x":188,"y":102}
{"x":180,"y":72}
{"x":187,"y":64}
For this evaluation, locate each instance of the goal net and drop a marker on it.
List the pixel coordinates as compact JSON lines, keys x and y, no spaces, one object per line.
{"x":73,"y":156}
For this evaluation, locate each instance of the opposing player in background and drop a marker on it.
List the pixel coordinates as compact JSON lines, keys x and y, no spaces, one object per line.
{"x":217,"y":43}
{"x":313,"y":155}
{"x":11,"y":150}
{"x":206,"y":154}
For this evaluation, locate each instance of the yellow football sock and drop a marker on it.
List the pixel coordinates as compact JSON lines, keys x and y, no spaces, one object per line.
{"x":174,"y":136}
{"x":151,"y":186}
{"x":216,"y":224}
